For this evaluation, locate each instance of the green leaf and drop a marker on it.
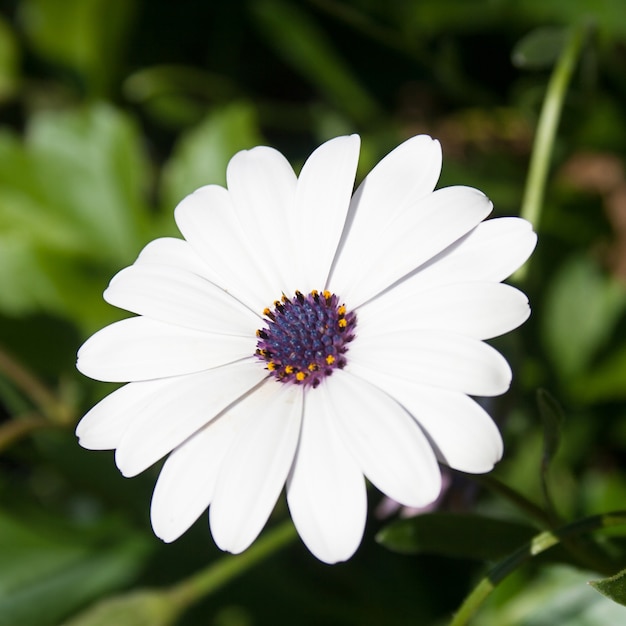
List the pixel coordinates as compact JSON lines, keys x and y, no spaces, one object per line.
{"x":613,"y":587}
{"x":202,"y":154}
{"x":581,"y":310}
{"x":554,"y":596}
{"x":25,"y":284}
{"x":605,"y":381}
{"x":72,"y":211}
{"x":49,"y":571}
{"x":540,"y":48}
{"x":178,"y":95}
{"x":455,"y":535}
{"x":140,"y":608}
{"x":306,"y":47}
{"x":87,"y":36}
{"x":607,"y":17}
{"x":92,"y":171}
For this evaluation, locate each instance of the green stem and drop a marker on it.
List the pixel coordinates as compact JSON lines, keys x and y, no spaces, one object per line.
{"x":27,"y":382}
{"x":546,"y":128}
{"x":218,"y":574}
{"x":538,"y":544}
{"x":19,"y":427}
{"x":41,"y":396}
{"x":516,"y":498}
{"x":586,"y":554}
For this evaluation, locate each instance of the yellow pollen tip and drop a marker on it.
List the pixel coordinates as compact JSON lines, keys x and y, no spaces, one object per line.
{"x":266,"y":311}
{"x":342,"y":323}
{"x":314,"y":292}
{"x":327,"y":294}
{"x":289,"y":369}
{"x":271,"y":366}
{"x":341,"y":310}
{"x":312,"y":367}
{"x":330,"y":359}
{"x":300,"y":376}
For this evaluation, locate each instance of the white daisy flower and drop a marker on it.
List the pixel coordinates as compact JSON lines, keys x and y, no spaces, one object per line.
{"x":304,"y":335}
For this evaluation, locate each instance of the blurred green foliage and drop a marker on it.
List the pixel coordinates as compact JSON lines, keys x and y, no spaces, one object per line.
{"x":113,"y":110}
{"x":612,"y":587}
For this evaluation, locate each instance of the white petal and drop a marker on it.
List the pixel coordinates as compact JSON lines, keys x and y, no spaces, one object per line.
{"x":326,"y":490}
{"x":187,"y":480}
{"x":179,"y":409}
{"x":103,"y":427}
{"x":385,"y":440}
{"x":262,"y":186}
{"x":180,"y":298}
{"x":433,"y":358}
{"x":490,"y":252}
{"x":257,"y":464}
{"x":460,"y":430}
{"x":480,"y":310}
{"x":140,"y":348}
{"x":176,"y":253}
{"x":464,"y":434}
{"x":415,"y":236}
{"x":406,"y":175}
{"x":208,"y":221}
{"x":323,"y":196}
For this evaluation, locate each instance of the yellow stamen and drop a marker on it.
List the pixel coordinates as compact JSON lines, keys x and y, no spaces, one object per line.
{"x":289,"y":369}
{"x":300,"y":376}
{"x":342,"y":323}
{"x":341,"y":310}
{"x":330,"y":359}
{"x":312,"y":367}
{"x":271,"y":366}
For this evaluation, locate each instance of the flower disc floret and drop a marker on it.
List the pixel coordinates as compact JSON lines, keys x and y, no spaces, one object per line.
{"x":306,"y":337}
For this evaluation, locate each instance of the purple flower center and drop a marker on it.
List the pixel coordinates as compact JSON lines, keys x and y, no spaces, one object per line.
{"x":305,"y":338}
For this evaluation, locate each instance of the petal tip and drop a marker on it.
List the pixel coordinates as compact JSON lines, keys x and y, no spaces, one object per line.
{"x":333,"y":557}
{"x":488,"y":465}
{"x":85,"y":365}
{"x":125,"y":465}
{"x":349,"y":142}
{"x":164,"y":530}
